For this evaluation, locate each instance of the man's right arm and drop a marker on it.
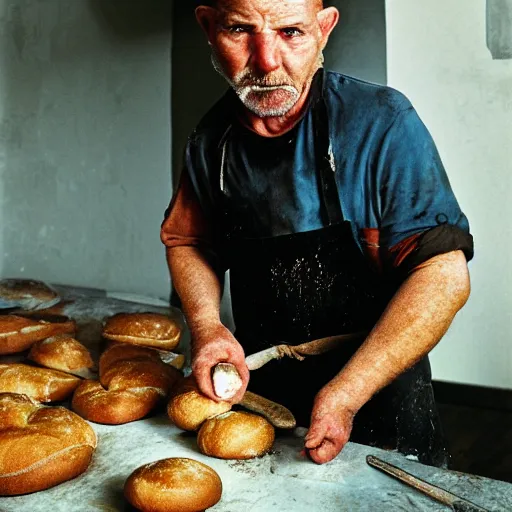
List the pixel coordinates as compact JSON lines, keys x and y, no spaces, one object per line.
{"x":187,"y":236}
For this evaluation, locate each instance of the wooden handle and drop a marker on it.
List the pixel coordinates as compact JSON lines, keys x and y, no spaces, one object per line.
{"x":310,"y":348}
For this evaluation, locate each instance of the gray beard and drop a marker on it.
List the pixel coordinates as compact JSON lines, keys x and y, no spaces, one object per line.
{"x":248,"y":93}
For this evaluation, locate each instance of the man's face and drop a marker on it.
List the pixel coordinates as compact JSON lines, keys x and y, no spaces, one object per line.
{"x":268,"y":50}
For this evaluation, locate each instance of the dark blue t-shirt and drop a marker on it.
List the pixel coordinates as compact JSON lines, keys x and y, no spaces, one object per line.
{"x":389,"y":174}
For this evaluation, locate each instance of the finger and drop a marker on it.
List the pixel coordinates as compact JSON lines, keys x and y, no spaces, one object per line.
{"x":202,"y":374}
{"x":327,"y":451}
{"x":315,"y":436}
{"x":323,"y":454}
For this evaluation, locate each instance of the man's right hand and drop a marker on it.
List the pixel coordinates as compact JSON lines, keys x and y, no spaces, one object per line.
{"x":210,"y":347}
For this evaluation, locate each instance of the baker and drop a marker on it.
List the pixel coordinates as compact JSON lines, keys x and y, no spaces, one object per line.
{"x":326,"y":199}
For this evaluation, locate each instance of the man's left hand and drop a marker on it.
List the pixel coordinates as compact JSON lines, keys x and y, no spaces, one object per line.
{"x":331,"y":425}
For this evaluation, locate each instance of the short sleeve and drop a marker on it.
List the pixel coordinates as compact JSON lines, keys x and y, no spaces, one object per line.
{"x":419,"y":214}
{"x":184,"y":221}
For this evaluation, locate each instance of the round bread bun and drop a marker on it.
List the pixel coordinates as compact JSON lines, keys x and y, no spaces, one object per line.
{"x":40,"y":446}
{"x":41,"y":384}
{"x":188,"y":408}
{"x":18,"y":333}
{"x":173,"y":485}
{"x":63,"y":353}
{"x":236,"y":435}
{"x":146,"y":329}
{"x":27,"y":294}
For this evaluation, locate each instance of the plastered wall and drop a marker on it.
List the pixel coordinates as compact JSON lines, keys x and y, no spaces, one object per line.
{"x":85,"y":142}
{"x":438,"y":55}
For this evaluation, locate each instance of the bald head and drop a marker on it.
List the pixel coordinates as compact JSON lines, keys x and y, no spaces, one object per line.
{"x":319,"y":4}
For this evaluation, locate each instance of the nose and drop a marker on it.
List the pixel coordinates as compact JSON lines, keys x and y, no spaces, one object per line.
{"x":265,"y":54}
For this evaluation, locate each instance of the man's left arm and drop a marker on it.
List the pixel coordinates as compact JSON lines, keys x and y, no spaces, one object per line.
{"x":413,"y":323}
{"x":422,"y":240}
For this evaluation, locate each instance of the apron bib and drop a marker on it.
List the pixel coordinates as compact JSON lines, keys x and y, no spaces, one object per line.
{"x":299,"y":287}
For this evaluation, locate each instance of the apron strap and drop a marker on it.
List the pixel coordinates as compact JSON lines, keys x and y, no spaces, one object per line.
{"x":325,"y":163}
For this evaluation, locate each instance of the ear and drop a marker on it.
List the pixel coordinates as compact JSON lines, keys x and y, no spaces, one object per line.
{"x":206,"y":17}
{"x":327,"y":20}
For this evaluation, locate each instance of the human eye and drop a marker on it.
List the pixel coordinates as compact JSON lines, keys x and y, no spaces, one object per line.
{"x":291,"y":32}
{"x":239,"y":29}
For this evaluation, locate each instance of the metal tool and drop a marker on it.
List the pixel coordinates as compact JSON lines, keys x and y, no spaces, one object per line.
{"x":447,"y":498}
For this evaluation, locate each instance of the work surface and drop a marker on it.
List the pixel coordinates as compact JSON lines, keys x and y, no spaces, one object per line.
{"x":282,"y":481}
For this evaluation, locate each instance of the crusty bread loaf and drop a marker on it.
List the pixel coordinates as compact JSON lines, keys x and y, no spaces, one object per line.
{"x":236,"y":435}
{"x":189,"y":408}
{"x":145,"y":369}
{"x":122,"y":351}
{"x":27,"y":293}
{"x":65,"y":353}
{"x":128,"y":389}
{"x":147,"y":329}
{"x":41,"y":384}
{"x":40,"y":446}
{"x":95,"y":403}
{"x":18,"y":333}
{"x":173,"y":485}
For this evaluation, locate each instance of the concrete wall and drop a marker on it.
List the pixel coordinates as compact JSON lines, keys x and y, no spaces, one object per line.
{"x":438,"y":56}
{"x":85,"y":141}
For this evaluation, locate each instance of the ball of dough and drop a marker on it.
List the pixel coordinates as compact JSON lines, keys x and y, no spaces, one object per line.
{"x":173,"y":485}
{"x":236,"y":435}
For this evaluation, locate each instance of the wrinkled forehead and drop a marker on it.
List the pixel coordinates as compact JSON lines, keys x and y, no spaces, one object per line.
{"x":271,"y":8}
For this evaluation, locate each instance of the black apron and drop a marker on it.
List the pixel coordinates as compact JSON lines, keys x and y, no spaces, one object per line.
{"x":299,"y":287}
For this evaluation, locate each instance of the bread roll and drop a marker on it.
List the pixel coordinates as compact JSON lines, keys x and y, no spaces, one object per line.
{"x":41,"y":384}
{"x":128,"y":389}
{"x":188,"y":408}
{"x":236,"y":435}
{"x":18,"y":333}
{"x":95,"y":403}
{"x":173,"y":485}
{"x":145,"y":368}
{"x":27,"y":294}
{"x":123,"y":351}
{"x":147,"y":329}
{"x":40,"y":446}
{"x":63,"y":353}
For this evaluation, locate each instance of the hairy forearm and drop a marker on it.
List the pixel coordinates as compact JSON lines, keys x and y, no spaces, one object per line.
{"x":413,"y":323}
{"x":197,"y":285}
